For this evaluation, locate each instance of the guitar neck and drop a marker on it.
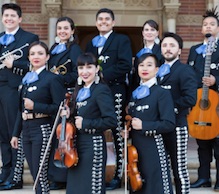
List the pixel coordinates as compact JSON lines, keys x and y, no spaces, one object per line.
{"x":206,"y":74}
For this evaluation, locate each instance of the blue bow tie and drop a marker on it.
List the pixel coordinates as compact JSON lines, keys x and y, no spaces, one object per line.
{"x":83,"y":94}
{"x":7,"y":39}
{"x":141,"y":92}
{"x":30,"y":77}
{"x":163,"y":70}
{"x":59,"y":49}
{"x":143,"y":51}
{"x":201,"y":49}
{"x":98,"y":41}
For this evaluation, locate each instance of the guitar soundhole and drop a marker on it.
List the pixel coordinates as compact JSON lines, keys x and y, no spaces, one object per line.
{"x":204,"y":104}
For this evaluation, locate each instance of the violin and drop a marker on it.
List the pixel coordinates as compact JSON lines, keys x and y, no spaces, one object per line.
{"x":66,"y":154}
{"x":133,"y":173}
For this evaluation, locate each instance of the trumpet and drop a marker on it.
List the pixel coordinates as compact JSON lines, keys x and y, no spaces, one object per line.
{"x":61,"y":69}
{"x":16,"y":56}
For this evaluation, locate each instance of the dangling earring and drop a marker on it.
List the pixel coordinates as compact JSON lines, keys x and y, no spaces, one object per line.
{"x":71,"y":38}
{"x":57,"y":39}
{"x":79,"y":80}
{"x":97,"y":78}
{"x":157,"y":40}
{"x":47,"y":66}
{"x":30,"y":67}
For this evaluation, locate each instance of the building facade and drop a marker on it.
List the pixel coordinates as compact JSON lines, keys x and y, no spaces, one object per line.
{"x":181,"y":16}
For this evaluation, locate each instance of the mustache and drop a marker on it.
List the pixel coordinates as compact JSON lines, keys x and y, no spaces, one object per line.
{"x":168,"y":52}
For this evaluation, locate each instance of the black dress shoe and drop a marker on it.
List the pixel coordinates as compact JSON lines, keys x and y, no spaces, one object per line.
{"x":201,"y":183}
{"x":57,"y":185}
{"x":113,"y":184}
{"x":1,"y":181}
{"x":11,"y":185}
{"x":216,"y":187}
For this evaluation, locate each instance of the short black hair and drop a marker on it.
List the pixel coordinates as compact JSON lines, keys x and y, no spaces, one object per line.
{"x":105,"y":10}
{"x":145,"y":56}
{"x":173,"y":35}
{"x":13,"y":6}
{"x":212,"y":13}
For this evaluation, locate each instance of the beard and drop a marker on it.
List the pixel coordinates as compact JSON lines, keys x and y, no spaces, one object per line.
{"x":171,"y":58}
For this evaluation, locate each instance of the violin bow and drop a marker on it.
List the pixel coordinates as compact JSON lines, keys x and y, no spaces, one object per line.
{"x":48,"y":144}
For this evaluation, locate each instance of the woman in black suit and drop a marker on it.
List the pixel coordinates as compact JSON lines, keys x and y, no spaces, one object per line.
{"x":63,"y":58}
{"x":39,"y":102}
{"x":93,"y":113}
{"x":152,"y":112}
{"x":65,"y":51}
{"x":150,"y":32}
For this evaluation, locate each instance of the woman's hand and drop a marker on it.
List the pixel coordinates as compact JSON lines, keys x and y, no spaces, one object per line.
{"x":78,"y":122}
{"x":14,"y":142}
{"x":65,"y":112}
{"x":136,"y":123}
{"x":28,"y":104}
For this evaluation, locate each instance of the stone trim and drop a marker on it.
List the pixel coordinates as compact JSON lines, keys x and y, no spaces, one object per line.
{"x":35,"y":18}
{"x":189,"y":20}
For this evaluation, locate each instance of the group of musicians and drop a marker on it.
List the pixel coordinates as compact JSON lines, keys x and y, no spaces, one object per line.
{"x":161,"y":91}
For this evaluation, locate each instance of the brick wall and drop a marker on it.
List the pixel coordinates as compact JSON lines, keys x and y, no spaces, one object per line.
{"x":33,"y":7}
{"x":190,"y":32}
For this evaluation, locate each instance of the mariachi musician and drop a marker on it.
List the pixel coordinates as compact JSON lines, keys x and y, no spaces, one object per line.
{"x":152,"y":112}
{"x":114,"y":53}
{"x":39,"y":102}
{"x":63,"y":58}
{"x":12,"y":39}
{"x":196,"y":59}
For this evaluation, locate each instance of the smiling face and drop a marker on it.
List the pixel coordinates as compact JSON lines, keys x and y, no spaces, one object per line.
{"x":10,"y":20}
{"x":87,"y":73}
{"x":38,"y":56}
{"x":104,"y":23}
{"x":147,"y":69}
{"x":64,"y":31}
{"x":149,"y":33}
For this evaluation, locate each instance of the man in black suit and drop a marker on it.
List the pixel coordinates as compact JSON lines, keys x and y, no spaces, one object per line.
{"x":11,"y":72}
{"x":210,"y":25}
{"x":180,"y":80}
{"x":114,"y":53}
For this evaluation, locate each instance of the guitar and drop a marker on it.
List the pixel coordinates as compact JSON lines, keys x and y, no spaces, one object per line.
{"x":203,"y":120}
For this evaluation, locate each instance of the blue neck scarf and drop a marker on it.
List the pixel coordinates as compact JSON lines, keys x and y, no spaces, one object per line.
{"x":163,"y":70}
{"x":30,"y":77}
{"x":83,"y":94}
{"x":143,"y":51}
{"x":140,"y":92}
{"x":59,"y":49}
{"x":201,"y":49}
{"x":98,"y":41}
{"x":7,"y":39}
